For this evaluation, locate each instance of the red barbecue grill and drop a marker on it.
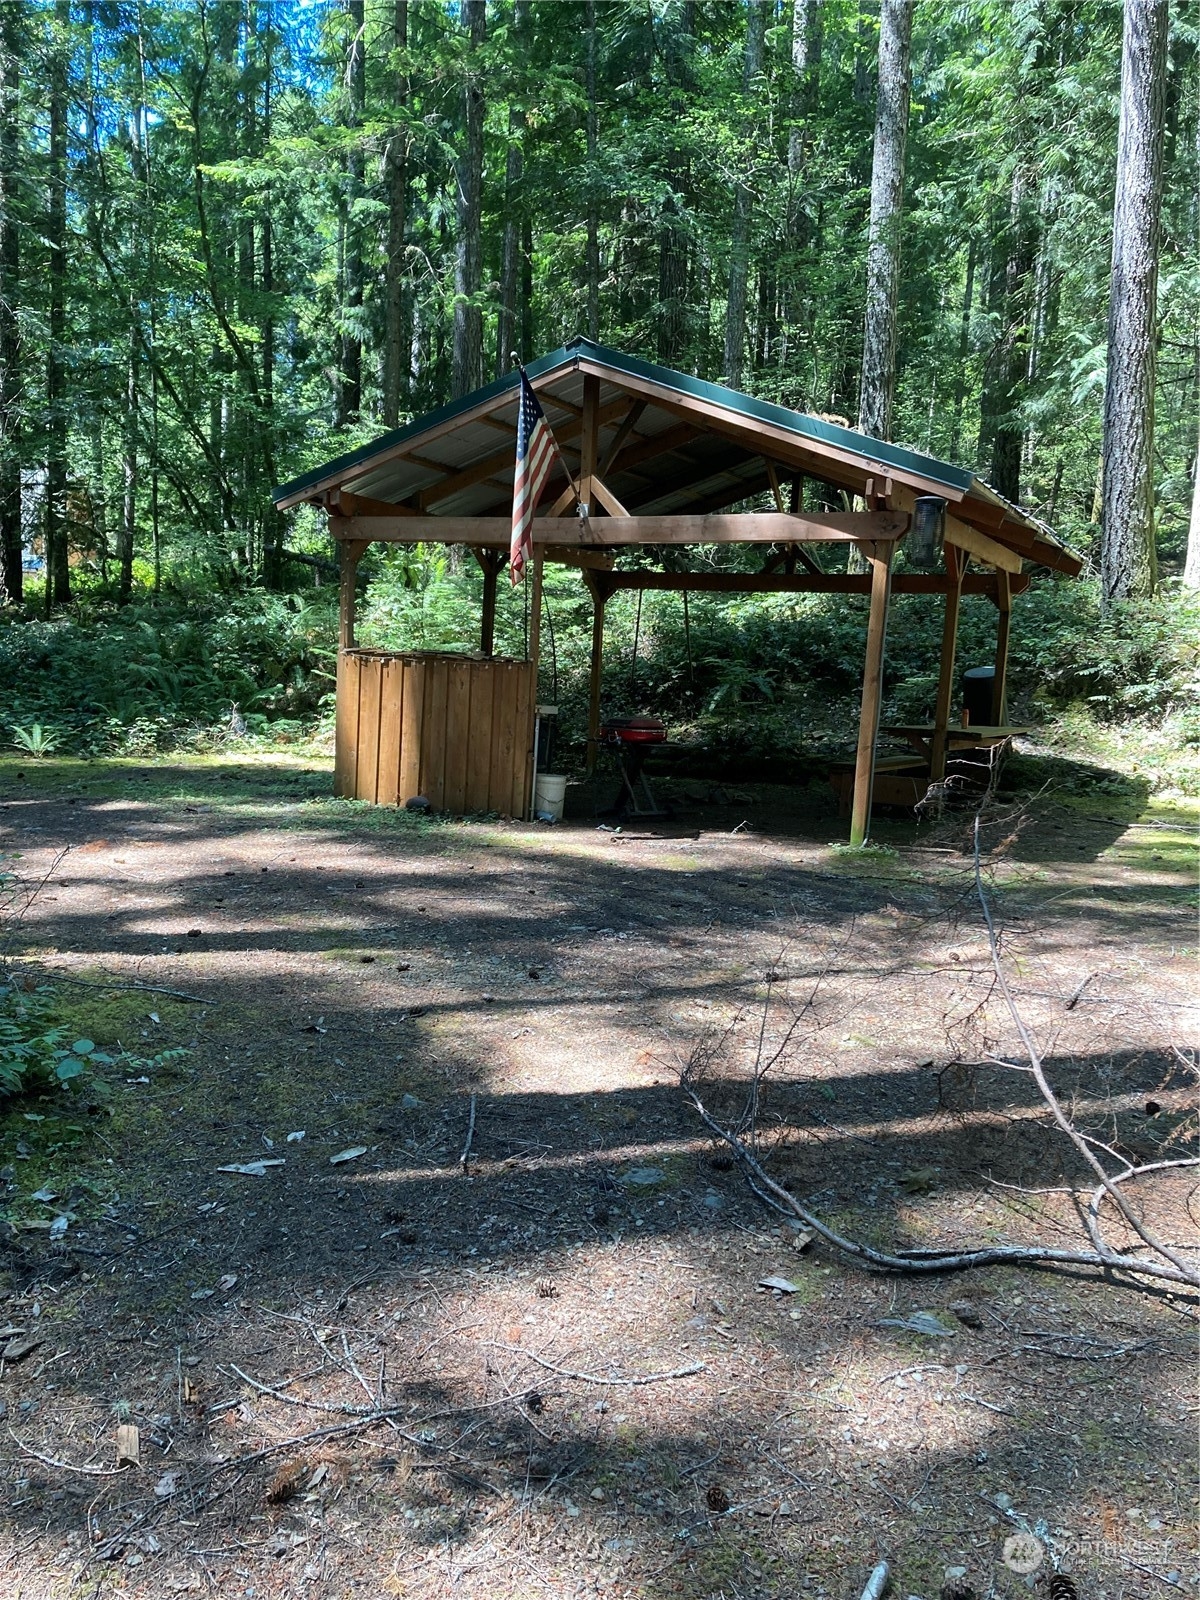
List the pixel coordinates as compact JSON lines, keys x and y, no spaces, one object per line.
{"x":631,"y":740}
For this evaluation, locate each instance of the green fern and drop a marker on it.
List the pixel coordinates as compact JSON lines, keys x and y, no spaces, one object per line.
{"x":37,"y":739}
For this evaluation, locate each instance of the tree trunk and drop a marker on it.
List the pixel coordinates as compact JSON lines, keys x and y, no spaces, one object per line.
{"x":11,"y":578}
{"x":272,"y":519}
{"x":1191,"y":565}
{"x":743,"y":204}
{"x":878,"y":382}
{"x":509,"y":328}
{"x":1127,"y":554}
{"x":58,"y":571}
{"x":807,"y":35}
{"x":592,"y":248}
{"x":964,"y":350}
{"x":395,"y":330}
{"x":467,"y":356}
{"x":1012,"y":356}
{"x":672,"y":237}
{"x":350,"y":397}
{"x":128,"y":531}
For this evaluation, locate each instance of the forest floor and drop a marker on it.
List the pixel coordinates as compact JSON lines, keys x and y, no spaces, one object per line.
{"x":369,"y":1368}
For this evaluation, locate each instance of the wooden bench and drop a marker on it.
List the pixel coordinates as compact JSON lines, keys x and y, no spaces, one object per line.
{"x":899,"y":781}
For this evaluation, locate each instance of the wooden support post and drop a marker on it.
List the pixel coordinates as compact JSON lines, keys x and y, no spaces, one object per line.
{"x":880,"y":559}
{"x":1003,"y":622}
{"x":955,"y":568}
{"x":535,"y":645}
{"x":491,"y":562}
{"x":589,"y":443}
{"x":349,"y":554}
{"x":535,"y":605}
{"x":599,"y":596}
{"x":346,"y":698}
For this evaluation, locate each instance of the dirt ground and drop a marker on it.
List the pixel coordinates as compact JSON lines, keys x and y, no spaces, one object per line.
{"x":550,"y":1369}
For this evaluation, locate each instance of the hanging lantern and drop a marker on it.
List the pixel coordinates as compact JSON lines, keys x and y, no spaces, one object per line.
{"x":923,"y":545}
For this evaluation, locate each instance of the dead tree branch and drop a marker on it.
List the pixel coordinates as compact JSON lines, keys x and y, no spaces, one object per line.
{"x":1156,"y":1259}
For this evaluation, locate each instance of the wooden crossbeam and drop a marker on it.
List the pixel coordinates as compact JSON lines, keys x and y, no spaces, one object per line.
{"x":628,"y":424}
{"x":981,"y":583}
{"x":345,"y":504}
{"x":981,"y":547}
{"x":754,"y":528}
{"x":500,"y":460}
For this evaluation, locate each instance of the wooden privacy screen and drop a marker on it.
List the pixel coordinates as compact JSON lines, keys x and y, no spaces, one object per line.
{"x":456,"y":729}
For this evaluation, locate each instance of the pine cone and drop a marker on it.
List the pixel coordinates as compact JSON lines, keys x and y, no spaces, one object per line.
{"x":286,"y":1482}
{"x":1062,"y":1588}
{"x":957,"y":1589}
{"x":716,"y":1499}
{"x":547,"y":1288}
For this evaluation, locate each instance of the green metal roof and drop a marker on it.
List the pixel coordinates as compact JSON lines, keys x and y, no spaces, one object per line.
{"x":802,"y":426}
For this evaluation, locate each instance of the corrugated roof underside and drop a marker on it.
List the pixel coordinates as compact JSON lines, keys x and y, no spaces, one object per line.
{"x":470,"y":443}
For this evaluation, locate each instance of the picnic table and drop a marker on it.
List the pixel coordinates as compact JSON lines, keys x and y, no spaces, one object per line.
{"x":976,"y":736}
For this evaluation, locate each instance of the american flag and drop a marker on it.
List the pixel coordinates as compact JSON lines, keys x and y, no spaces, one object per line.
{"x":536,"y":450}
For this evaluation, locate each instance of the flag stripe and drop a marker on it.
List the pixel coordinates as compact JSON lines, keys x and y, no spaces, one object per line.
{"x":536,"y":450}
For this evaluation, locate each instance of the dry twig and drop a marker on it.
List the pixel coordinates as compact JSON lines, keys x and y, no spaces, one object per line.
{"x":637,"y":1381}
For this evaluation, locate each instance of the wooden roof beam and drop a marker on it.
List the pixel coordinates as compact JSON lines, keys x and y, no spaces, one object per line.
{"x":481,"y":471}
{"x":604,"y":532}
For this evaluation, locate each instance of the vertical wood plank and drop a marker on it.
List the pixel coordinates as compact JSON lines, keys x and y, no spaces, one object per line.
{"x":525,"y":683}
{"x":479,"y":736}
{"x":433,"y":733}
{"x":391,"y":711}
{"x":504,"y":708}
{"x":1003,"y":623}
{"x":955,"y":568}
{"x":346,"y":726}
{"x":880,"y":557}
{"x":343,"y":723}
{"x":458,"y":718}
{"x":366,"y":782}
{"x":410,"y":736}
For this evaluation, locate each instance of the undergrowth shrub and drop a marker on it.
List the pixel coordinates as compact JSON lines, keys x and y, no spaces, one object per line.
{"x":136,"y":678}
{"x":34,"y":1053}
{"x":748,"y":677}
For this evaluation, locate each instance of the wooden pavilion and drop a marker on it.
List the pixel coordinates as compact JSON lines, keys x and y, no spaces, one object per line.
{"x":656,"y":458}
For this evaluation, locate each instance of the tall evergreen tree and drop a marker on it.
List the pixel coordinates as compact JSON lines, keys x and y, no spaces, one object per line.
{"x":467,"y":357}
{"x":11,"y":383}
{"x":58,"y":586}
{"x":743,"y":200}
{"x":878,"y":382}
{"x":1128,"y":563}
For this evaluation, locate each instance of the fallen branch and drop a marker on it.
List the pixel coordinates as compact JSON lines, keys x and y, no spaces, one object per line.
{"x":66,"y":1466}
{"x":466,"y":1150}
{"x":53,"y":975}
{"x":609,"y":1383}
{"x":1184,"y":1272}
{"x":923,"y":1260}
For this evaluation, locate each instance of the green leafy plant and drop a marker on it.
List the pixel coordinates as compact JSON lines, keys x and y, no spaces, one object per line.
{"x":34,"y":1053}
{"x":37,"y":739}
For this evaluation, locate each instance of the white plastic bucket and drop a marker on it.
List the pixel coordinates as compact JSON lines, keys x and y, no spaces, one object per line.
{"x":548,"y":794}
